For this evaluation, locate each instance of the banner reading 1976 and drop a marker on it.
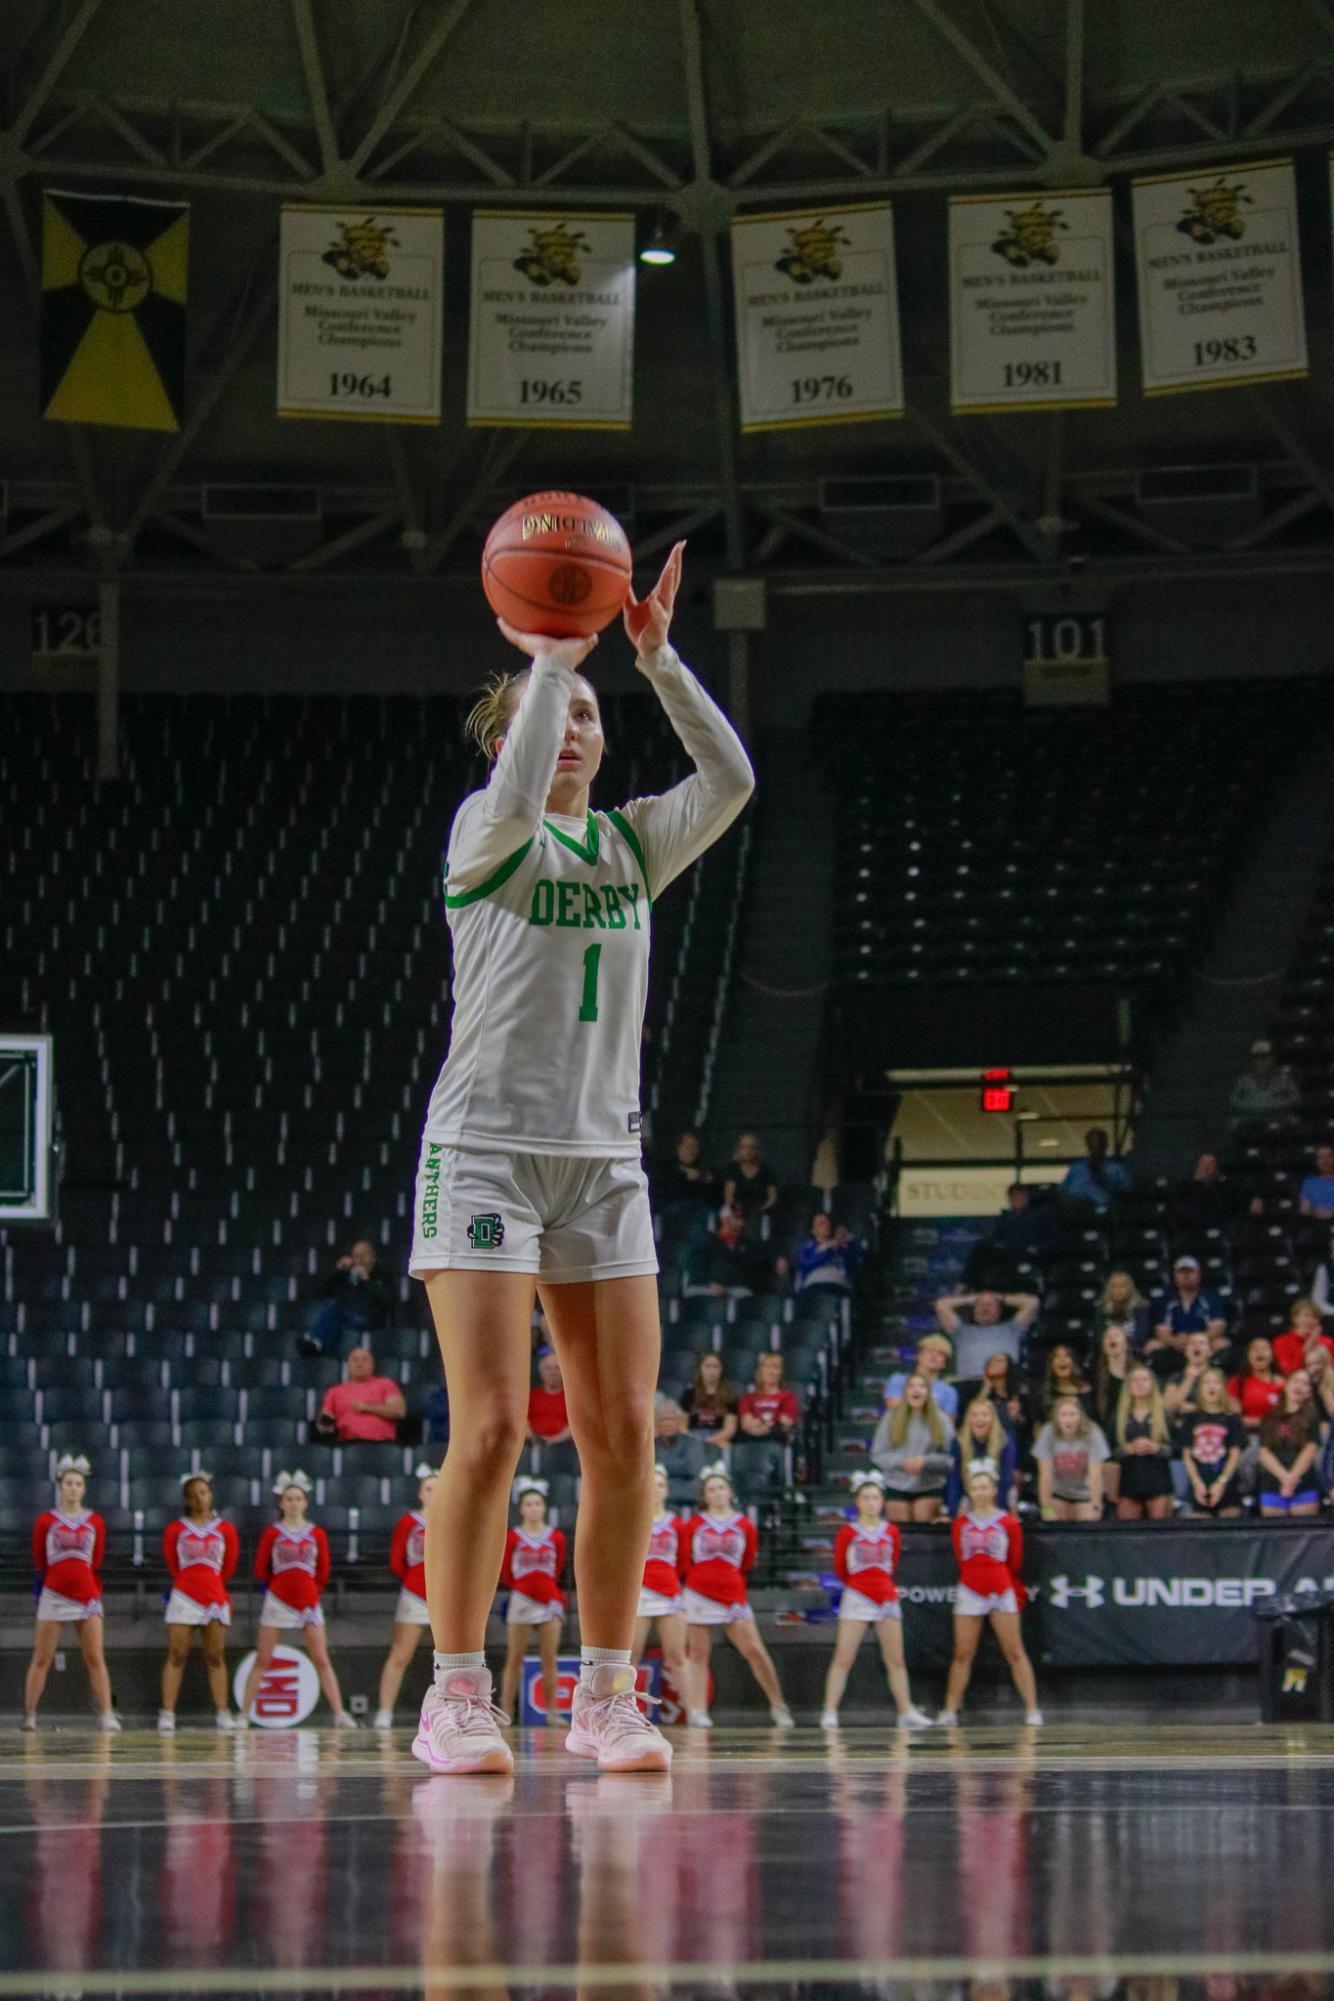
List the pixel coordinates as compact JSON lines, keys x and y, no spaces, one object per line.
{"x":1032,"y":308}
{"x":1220,"y":285}
{"x":551,"y":339}
{"x":359,"y":314}
{"x":817,"y":317}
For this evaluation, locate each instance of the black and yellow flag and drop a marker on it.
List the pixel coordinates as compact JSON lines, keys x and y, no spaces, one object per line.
{"x":113,"y":310}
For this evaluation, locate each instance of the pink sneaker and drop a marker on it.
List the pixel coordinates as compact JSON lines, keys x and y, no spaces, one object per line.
{"x":460,"y":1726}
{"x":607,"y":1723}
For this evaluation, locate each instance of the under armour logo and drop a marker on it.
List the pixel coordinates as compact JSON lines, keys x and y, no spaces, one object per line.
{"x":1062,"y":1591}
{"x":486,"y":1233}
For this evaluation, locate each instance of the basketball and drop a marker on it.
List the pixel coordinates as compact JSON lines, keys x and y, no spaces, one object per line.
{"x":557,"y":564}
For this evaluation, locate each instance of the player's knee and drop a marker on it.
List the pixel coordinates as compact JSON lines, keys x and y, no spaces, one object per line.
{"x":492,"y":1441}
{"x":622,"y":1446}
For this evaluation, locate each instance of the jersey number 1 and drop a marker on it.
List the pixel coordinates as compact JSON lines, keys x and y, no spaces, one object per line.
{"x":588,"y":1010}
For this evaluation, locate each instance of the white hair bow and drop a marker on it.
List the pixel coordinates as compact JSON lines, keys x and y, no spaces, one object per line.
{"x":67,"y":1463}
{"x":987,"y":1466}
{"x":715,"y":1472}
{"x":528,"y":1483}
{"x":296,"y":1479}
{"x":864,"y":1477}
{"x":196,"y":1473}
{"x":424,"y":1472}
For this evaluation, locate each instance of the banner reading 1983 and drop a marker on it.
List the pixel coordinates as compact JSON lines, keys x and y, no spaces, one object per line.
{"x":1220,"y":286}
{"x":551,"y":340}
{"x":1032,"y":309}
{"x":817,"y":317}
{"x":359,"y":311}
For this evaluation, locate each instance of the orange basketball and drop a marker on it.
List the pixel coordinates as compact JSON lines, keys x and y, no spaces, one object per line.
{"x":558,"y":564}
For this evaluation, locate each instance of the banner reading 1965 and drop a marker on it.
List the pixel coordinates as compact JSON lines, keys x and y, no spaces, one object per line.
{"x":1220,"y":286}
{"x":817,"y":317}
{"x":551,"y":340}
{"x":1032,"y":309}
{"x":359,"y":312}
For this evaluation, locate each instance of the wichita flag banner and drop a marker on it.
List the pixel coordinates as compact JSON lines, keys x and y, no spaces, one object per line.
{"x":817,"y":317}
{"x":359,"y":313}
{"x":114,"y":272}
{"x":1032,"y":307}
{"x":552,"y":320}
{"x":1220,"y":284}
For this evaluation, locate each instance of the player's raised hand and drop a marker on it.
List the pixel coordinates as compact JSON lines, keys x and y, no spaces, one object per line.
{"x":648,"y":620}
{"x":538,"y":645}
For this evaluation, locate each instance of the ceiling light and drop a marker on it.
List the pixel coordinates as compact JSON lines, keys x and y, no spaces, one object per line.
{"x":659,"y":248}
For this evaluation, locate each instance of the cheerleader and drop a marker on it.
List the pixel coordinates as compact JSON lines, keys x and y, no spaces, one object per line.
{"x":534,"y":1564}
{"x":660,"y":1601}
{"x":721,"y":1547}
{"x":201,"y":1552}
{"x":866,"y":1557}
{"x":407,"y":1560}
{"x":68,"y":1543}
{"x":293,"y":1563}
{"x":989,"y":1547}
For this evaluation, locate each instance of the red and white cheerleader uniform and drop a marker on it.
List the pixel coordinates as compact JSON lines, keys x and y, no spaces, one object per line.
{"x":294,"y":1564}
{"x":720,"y":1555}
{"x":67,"y":1552}
{"x":865,"y":1561}
{"x":407,"y":1560}
{"x":532,"y":1565}
{"x":200,"y":1562}
{"x":660,"y":1593}
{"x":989,"y":1553}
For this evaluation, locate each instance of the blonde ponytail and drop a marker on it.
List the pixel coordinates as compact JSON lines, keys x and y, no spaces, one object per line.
{"x":493,"y":711}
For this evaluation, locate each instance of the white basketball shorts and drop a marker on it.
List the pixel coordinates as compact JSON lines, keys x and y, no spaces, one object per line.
{"x":565,"y":1221}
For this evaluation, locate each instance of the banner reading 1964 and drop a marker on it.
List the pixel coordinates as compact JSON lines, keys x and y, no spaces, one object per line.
{"x":1032,"y":310}
{"x":817,"y":317}
{"x":551,"y":340}
{"x":359,"y":311}
{"x":1220,"y":286}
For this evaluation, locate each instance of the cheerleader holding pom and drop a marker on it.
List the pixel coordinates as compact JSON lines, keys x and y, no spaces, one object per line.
{"x":534,"y":1564}
{"x":201,"y":1552}
{"x":866,"y":1557}
{"x":721,"y":1547}
{"x":989,"y":1547}
{"x":660,"y":1600}
{"x":293,"y":1562}
{"x":407,"y":1560}
{"x":68,"y":1543}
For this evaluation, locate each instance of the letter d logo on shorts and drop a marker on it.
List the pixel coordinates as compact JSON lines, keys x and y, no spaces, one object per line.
{"x":486,"y":1233}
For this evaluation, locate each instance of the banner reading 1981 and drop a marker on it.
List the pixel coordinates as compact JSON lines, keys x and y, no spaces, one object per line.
{"x":1032,"y":309}
{"x":1220,"y":286}
{"x":359,"y":312}
{"x":551,"y":340}
{"x":817,"y":317}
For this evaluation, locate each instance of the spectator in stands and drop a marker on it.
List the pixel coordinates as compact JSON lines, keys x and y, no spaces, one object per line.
{"x":981,"y":1436}
{"x":989,"y":1328}
{"x":1322,"y":1282}
{"x":1109,"y":1376}
{"x":1259,"y":1387}
{"x":1200,"y":1204}
{"x":1185,"y":1308}
{"x":1070,"y":1450}
{"x":363,"y":1408}
{"x":357,"y":1298}
{"x":711,"y":1403}
{"x":828,"y":1256}
{"x":1212,"y":1440}
{"x":1065,"y":1378}
{"x":1294,"y":1349}
{"x":913,"y":1449}
{"x":1317,"y":1193}
{"x":680,"y":1451}
{"x":935,"y":1358}
{"x":684,"y":1187}
{"x":1025,"y":1230}
{"x":1093,"y":1184}
{"x":750,"y":1184}
{"x":726,"y":1262}
{"x":1144,"y":1450}
{"x":768,"y":1418}
{"x":1122,"y":1304}
{"x":548,"y":1419}
{"x":1004,"y":1386}
{"x":1289,"y":1444}
{"x":1265,"y":1094}
{"x":1181,"y":1389}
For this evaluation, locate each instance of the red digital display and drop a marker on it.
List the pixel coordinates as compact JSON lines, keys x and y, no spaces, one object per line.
{"x":998,"y":1093}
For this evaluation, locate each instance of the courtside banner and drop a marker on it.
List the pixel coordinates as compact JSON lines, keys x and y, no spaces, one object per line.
{"x":552,"y":320}
{"x":359,"y":314}
{"x":1219,"y":278}
{"x":817,"y":317}
{"x":1032,"y":302}
{"x":114,"y":277}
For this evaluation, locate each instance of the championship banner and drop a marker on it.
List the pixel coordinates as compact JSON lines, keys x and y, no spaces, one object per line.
{"x":552,"y":326}
{"x":114,"y":273}
{"x":359,"y":313}
{"x":1032,"y":303}
{"x":1219,"y":277}
{"x":817,"y":317}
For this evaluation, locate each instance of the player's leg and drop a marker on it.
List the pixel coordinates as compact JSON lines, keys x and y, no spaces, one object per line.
{"x":401,"y":1649}
{"x":967,"y":1634}
{"x":851,"y":1633}
{"x":265,"y":1642}
{"x":516,"y":1646}
{"x":548,"y":1648}
{"x":90,"y":1645}
{"x":1005,"y":1625}
{"x":215,"y":1665}
{"x":39,"y":1667}
{"x":173,"y":1667}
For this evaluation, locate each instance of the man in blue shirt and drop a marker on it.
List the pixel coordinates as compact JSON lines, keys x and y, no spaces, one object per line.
{"x":1185,"y":1309}
{"x":1318,"y":1188}
{"x":1095,"y":1180}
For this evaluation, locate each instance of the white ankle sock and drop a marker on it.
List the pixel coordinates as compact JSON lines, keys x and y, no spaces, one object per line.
{"x":596,"y":1657}
{"x":446,"y":1664}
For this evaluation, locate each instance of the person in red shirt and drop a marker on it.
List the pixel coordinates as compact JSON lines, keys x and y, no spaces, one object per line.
{"x":1293,"y":1349}
{"x":769,"y":1411}
{"x":1260,"y":1387}
{"x":68,"y":1543}
{"x":548,"y":1419}
{"x":407,"y":1560}
{"x":660,"y":1600}
{"x":531,"y":1572}
{"x":720,"y":1550}
{"x":989,"y":1548}
{"x":293,"y":1562}
{"x":866,"y":1557}
{"x":201,"y":1552}
{"x":365,"y":1408}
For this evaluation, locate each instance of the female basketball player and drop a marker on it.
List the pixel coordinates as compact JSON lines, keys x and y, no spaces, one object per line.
{"x":530,"y":1168}
{"x":721,"y":1547}
{"x":201,"y":1551}
{"x":533,"y":1567}
{"x":407,"y":1560}
{"x":866,"y":1556}
{"x":68,"y":1542}
{"x":293,"y":1562}
{"x":989,"y":1547}
{"x":660,"y":1600}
